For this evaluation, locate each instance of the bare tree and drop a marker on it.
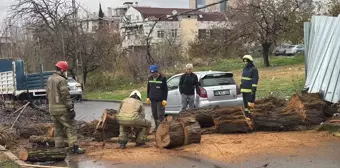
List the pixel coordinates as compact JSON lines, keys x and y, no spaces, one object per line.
{"x":55,"y":26}
{"x":334,"y":8}
{"x":267,"y":21}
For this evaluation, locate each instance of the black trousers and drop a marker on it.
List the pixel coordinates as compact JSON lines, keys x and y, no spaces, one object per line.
{"x":248,"y":97}
{"x":158,"y":110}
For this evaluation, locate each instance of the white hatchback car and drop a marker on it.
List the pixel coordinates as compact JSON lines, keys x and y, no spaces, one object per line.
{"x":216,"y":88}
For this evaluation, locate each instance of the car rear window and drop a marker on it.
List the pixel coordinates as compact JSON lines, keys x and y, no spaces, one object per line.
{"x":217,"y":79}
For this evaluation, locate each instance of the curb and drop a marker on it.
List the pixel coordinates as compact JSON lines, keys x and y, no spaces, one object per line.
{"x":108,"y":101}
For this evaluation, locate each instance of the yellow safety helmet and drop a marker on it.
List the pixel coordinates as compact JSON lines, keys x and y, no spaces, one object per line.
{"x":137,"y":93}
{"x":248,"y":57}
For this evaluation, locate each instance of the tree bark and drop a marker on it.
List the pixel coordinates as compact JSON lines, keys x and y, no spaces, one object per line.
{"x":265,"y":47}
{"x":44,"y":141}
{"x":35,"y":129}
{"x":170,"y":134}
{"x":43,"y":155}
{"x":192,"y":131}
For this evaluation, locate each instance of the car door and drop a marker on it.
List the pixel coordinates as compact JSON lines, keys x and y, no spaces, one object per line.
{"x":174,"y":97}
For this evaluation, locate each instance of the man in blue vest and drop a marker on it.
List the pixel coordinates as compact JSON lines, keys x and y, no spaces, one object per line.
{"x":157,"y":94}
{"x":250,"y":77}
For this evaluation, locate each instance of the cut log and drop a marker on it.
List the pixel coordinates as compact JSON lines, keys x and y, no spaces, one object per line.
{"x":309,"y":106}
{"x":44,"y":141}
{"x":43,"y":155}
{"x":220,"y":120}
{"x":170,"y":134}
{"x":192,"y":131}
{"x":108,"y":127}
{"x":34,"y":129}
{"x":50,"y":132}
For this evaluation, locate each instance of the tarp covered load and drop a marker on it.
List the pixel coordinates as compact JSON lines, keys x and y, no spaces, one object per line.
{"x":322,"y":57}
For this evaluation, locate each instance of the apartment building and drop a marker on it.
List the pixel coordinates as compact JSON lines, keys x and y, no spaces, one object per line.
{"x":222,"y":7}
{"x":181,"y":29}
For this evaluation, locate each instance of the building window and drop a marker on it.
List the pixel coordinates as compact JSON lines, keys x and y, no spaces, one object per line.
{"x":160,"y":34}
{"x":137,"y":17}
{"x":200,"y":3}
{"x":174,"y":33}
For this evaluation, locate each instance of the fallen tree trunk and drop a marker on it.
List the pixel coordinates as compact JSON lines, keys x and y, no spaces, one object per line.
{"x":174,"y":133}
{"x":34,"y":129}
{"x":170,"y":134}
{"x":192,"y":131}
{"x":108,"y":127}
{"x":220,"y":120}
{"x":270,"y":114}
{"x":43,"y":155}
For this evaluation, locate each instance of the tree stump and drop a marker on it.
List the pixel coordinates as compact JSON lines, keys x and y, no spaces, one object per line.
{"x":170,"y":134}
{"x":108,"y":127}
{"x":43,"y":155}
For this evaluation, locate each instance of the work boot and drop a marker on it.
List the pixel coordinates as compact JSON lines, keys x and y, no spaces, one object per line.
{"x":122,"y":146}
{"x":142,"y":144}
{"x":78,"y":150}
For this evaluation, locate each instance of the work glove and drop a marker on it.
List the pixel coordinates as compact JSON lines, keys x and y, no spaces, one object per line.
{"x":148,"y":101}
{"x":71,"y":114}
{"x":163,"y":103}
{"x":251,"y":105}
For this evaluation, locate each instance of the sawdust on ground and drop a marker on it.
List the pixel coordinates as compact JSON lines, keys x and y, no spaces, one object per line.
{"x":229,"y":148}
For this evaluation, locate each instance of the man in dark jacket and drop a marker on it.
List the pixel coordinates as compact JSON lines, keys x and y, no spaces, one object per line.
{"x":187,"y":85}
{"x":157,"y":94}
{"x":250,"y":77}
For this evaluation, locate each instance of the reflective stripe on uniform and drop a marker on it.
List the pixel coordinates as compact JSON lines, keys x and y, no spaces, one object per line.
{"x":246,"y":90}
{"x":254,"y":85}
{"x":57,"y":107}
{"x":246,"y":78}
{"x":151,"y":81}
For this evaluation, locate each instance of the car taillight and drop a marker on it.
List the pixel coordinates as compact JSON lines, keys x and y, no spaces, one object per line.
{"x":238,"y":90}
{"x":203,"y":93}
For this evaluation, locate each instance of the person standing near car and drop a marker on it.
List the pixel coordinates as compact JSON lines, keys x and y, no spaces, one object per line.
{"x":187,"y":85}
{"x":61,"y":109}
{"x":250,"y":77}
{"x":157,"y":94}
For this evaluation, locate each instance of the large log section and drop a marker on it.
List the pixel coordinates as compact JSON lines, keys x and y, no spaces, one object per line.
{"x":43,"y":155}
{"x":270,"y":114}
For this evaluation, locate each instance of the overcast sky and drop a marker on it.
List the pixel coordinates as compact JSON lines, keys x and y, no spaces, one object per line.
{"x":92,"y":5}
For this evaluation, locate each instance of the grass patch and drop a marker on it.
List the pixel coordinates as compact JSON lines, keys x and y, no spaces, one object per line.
{"x":5,"y":163}
{"x":115,"y":95}
{"x":285,"y":77}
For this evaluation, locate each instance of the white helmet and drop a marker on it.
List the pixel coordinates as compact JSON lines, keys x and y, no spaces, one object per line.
{"x":249,"y":57}
{"x":137,"y":93}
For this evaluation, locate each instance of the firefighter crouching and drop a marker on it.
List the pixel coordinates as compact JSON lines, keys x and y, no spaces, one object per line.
{"x":250,"y":77}
{"x":131,"y":115}
{"x":61,"y":109}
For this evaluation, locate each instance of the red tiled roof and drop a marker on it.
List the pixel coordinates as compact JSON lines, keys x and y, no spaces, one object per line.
{"x":154,"y":12}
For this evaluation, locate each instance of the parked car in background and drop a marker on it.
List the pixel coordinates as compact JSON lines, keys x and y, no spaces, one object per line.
{"x":75,"y":89}
{"x":294,"y":49}
{"x":216,"y":88}
{"x":281,"y":50}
